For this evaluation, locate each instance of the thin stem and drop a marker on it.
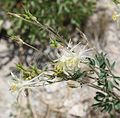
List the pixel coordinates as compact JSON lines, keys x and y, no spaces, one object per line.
{"x":29,"y":103}
{"x":114,"y":95}
{"x":117,"y":88}
{"x":38,"y":24}
{"x":30,"y":46}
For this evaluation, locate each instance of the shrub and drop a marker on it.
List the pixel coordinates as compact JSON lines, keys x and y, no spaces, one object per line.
{"x":75,"y":63}
{"x":63,"y":15}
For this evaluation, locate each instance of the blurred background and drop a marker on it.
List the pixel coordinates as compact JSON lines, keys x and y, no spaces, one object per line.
{"x":93,"y":17}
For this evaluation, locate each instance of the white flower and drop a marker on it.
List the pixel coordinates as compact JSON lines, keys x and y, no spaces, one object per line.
{"x":18,"y":84}
{"x":71,"y":58}
{"x":115,"y":16}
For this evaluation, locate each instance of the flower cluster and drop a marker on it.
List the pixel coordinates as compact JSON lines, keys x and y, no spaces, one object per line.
{"x":115,"y":16}
{"x":76,"y":66}
{"x":116,"y":13}
{"x":69,"y":61}
{"x":18,"y":84}
{"x":72,"y":57}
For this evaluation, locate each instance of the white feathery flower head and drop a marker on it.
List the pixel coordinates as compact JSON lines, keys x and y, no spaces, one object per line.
{"x":71,"y":56}
{"x":18,"y":83}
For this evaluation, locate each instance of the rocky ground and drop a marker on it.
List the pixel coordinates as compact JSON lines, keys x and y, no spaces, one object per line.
{"x":59,"y":101}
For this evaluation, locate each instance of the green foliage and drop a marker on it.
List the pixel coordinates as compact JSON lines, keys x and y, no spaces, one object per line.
{"x":78,"y":75}
{"x":106,"y":99}
{"x":105,"y":102}
{"x":53,"y":43}
{"x":58,"y":14}
{"x":28,"y":72}
{"x":104,"y":80}
{"x":116,"y":1}
{"x":97,"y":68}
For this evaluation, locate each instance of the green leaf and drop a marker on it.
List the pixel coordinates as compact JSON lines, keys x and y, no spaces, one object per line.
{"x":110,"y":85}
{"x":116,"y":1}
{"x":98,"y":104}
{"x":108,"y":62}
{"x":113,"y":65}
{"x":117,"y":105}
{"x":115,"y":82}
{"x":103,"y":74}
{"x":91,"y":61}
{"x":100,"y":58}
{"x":20,"y":67}
{"x":116,"y":77}
{"x":108,"y":107}
{"x":99,"y":96}
{"x":78,"y":74}
{"x":53,"y":43}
